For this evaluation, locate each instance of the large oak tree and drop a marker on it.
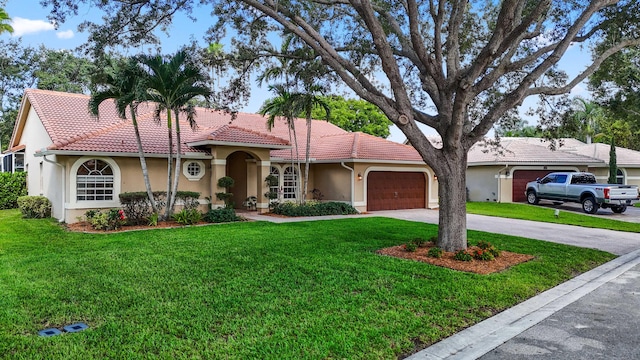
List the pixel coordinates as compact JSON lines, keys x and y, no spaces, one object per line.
{"x":455,"y":66}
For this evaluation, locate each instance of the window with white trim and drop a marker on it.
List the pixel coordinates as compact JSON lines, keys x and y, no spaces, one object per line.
{"x":193,"y":170}
{"x":94,"y":181}
{"x":275,"y":172}
{"x":620,"y":177}
{"x":290,"y":182}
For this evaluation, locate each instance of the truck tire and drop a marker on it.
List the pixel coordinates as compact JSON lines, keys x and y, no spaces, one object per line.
{"x":589,"y":205}
{"x":619,"y":209}
{"x":532,"y":197}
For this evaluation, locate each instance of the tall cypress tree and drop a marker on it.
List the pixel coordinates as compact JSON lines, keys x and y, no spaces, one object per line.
{"x":613,"y":164}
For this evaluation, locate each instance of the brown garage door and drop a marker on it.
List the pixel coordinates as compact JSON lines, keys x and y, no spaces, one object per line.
{"x":388,"y":190}
{"x":520,"y":180}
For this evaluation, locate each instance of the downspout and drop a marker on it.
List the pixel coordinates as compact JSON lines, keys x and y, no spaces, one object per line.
{"x":64,"y":193}
{"x":353,"y":185}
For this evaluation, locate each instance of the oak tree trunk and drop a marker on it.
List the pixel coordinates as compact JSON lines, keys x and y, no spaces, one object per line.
{"x":452,"y":195}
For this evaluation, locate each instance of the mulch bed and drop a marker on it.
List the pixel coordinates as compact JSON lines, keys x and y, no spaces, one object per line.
{"x":504,"y":261}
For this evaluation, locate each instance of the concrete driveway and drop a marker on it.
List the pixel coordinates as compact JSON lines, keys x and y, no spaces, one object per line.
{"x":615,"y":242}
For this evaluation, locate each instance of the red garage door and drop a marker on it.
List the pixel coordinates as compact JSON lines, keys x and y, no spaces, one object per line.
{"x":388,"y":190}
{"x":520,"y":180}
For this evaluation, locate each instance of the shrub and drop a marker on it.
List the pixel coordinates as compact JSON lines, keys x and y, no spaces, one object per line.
{"x":435,"y":252}
{"x":462,"y":255}
{"x":488,"y":247}
{"x":187,"y":216}
{"x":312,"y":208}
{"x":153,"y":219}
{"x":113,"y":219}
{"x":226,"y":182}
{"x":12,"y":186}
{"x":419,"y":242}
{"x":189,"y":199}
{"x":221,"y":215}
{"x":484,"y":255}
{"x":410,"y":247}
{"x":34,"y":207}
{"x":136,"y":206}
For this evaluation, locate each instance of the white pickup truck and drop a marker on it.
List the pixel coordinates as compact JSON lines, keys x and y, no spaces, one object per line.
{"x":581,"y":187}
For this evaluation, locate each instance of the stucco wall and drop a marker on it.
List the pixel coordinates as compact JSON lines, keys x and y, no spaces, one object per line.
{"x":43,"y":178}
{"x":333,"y":181}
{"x":128,"y":178}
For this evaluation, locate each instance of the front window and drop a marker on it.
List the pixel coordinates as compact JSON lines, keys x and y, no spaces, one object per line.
{"x":290,"y":182}
{"x":275,"y":172}
{"x":94,"y":181}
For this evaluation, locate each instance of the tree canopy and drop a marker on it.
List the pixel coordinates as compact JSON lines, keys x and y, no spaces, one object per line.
{"x":23,"y":67}
{"x":456,"y":66}
{"x":355,"y":115}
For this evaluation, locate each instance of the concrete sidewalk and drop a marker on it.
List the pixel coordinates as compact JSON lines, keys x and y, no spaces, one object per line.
{"x":593,"y":316}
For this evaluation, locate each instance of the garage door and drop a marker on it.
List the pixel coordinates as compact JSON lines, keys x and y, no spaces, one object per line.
{"x":520,"y":180}
{"x":388,"y":190}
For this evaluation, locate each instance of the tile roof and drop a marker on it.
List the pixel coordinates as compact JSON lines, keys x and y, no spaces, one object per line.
{"x":624,"y":156}
{"x":516,"y":151}
{"x":67,"y":120}
{"x":356,"y":145}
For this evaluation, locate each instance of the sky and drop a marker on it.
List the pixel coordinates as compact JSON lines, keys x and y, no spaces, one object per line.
{"x":29,"y":20}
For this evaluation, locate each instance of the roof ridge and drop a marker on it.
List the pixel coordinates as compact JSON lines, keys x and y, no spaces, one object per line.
{"x":354,"y":146}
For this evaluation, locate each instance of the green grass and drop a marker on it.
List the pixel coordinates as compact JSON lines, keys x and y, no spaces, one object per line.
{"x":544,"y":214}
{"x":637,"y":204}
{"x":251,"y":290}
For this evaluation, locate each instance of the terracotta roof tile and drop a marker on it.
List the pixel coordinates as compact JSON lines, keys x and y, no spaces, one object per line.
{"x":69,"y":124}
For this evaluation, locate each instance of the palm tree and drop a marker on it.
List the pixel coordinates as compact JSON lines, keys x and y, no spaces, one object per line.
{"x":172,"y":83}
{"x":282,"y":106}
{"x":304,"y":103}
{"x":4,"y":20}
{"x":122,"y":84}
{"x":587,"y":115}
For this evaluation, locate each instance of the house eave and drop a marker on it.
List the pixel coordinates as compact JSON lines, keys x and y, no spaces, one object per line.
{"x":189,"y":155}
{"x":372,"y":161}
{"x":534,"y":163}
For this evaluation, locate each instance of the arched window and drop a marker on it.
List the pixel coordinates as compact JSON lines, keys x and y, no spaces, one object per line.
{"x":94,"y":181}
{"x":619,"y":177}
{"x":290,"y":183}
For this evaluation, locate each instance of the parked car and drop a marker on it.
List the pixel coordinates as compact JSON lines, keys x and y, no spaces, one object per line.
{"x":581,"y":187}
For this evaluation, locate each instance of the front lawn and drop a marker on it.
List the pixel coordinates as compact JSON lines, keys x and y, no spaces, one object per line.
{"x":250,"y":290}
{"x":545,"y":214}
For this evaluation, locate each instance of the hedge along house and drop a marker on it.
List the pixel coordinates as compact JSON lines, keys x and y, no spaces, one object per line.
{"x":501,"y":175}
{"x":81,"y":162}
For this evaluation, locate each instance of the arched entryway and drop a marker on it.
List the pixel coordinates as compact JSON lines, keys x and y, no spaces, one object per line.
{"x":242,"y":168}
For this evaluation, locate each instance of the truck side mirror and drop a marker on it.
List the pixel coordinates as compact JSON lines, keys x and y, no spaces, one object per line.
{"x":538,"y":180}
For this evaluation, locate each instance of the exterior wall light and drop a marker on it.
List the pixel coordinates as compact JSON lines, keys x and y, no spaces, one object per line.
{"x":359,"y":176}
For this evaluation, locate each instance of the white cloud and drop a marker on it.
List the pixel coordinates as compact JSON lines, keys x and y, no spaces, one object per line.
{"x":65,"y":34}
{"x":22,"y":26}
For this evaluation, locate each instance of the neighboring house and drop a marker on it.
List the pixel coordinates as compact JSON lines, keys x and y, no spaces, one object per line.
{"x":81,"y":162}
{"x":501,"y":175}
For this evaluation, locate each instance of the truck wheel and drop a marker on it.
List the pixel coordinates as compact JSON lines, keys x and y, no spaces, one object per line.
{"x":589,"y":205}
{"x":619,"y":209}
{"x":532,"y":198}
